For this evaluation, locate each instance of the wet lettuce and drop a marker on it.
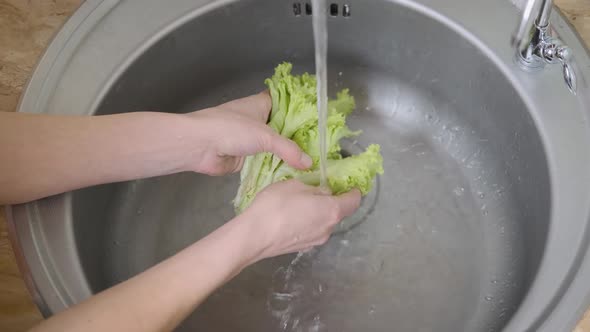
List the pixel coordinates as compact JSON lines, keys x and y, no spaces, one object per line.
{"x":294,"y":115}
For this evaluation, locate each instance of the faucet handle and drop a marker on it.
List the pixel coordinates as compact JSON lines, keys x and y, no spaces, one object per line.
{"x":553,"y":53}
{"x":566,"y":58}
{"x":570,"y":77}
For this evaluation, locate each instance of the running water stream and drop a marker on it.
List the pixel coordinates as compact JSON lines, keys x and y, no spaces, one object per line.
{"x":320,"y":37}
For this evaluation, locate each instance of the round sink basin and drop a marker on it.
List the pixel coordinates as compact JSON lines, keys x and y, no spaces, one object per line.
{"x":478,"y":224}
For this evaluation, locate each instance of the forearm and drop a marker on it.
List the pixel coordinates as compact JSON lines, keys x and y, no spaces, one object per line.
{"x":160,"y":298}
{"x":44,"y":155}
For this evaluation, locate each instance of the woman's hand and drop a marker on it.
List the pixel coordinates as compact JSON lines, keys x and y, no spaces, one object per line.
{"x":72,"y":152}
{"x":285,"y":217}
{"x":231,"y":131}
{"x":290,"y":216}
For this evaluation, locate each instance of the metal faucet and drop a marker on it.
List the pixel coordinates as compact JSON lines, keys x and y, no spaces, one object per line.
{"x":535,"y":46}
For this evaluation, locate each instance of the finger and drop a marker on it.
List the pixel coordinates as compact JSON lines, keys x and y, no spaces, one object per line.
{"x":286,"y":149}
{"x":256,"y":106}
{"x":349,"y":202}
{"x":234,"y":165}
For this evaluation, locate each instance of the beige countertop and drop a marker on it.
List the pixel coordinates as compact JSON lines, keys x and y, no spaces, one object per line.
{"x":27,"y":28}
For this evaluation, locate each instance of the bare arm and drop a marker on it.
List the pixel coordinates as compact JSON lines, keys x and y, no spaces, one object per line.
{"x":43,"y":155}
{"x":287,"y":217}
{"x":160,"y":298}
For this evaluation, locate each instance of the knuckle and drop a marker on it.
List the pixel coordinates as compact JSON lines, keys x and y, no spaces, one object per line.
{"x":294,"y":147}
{"x":265,"y":140}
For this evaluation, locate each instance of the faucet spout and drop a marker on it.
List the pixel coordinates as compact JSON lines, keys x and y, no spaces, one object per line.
{"x":545,"y":13}
{"x":536,"y":15}
{"x":522,"y":35}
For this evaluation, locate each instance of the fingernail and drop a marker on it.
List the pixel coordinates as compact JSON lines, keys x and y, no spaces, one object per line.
{"x":306,"y":160}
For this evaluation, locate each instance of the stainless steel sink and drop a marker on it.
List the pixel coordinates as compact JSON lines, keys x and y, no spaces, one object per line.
{"x":478,"y":224}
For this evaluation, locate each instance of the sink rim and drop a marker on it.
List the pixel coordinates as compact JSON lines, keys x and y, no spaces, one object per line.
{"x":92,"y":12}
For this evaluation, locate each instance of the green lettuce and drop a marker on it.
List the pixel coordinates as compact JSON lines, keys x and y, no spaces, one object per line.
{"x":294,"y":116}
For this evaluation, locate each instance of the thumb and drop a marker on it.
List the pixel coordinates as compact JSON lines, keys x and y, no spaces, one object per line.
{"x":286,"y":149}
{"x":349,"y":202}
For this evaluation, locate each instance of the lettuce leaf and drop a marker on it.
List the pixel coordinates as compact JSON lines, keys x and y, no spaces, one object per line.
{"x":294,"y":116}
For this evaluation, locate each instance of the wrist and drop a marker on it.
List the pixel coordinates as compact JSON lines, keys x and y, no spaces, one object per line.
{"x":202,"y":142}
{"x":252,"y":244}
{"x":193,"y":140}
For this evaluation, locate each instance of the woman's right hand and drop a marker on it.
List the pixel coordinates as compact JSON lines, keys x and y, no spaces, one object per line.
{"x":285,"y":217}
{"x":290,"y":216}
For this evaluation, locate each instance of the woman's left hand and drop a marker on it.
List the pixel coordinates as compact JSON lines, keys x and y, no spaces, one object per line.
{"x":236,"y":129}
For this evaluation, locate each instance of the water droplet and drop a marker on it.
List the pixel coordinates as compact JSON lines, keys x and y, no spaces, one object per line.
{"x":494,"y":281}
{"x":481,"y":195}
{"x":280,"y":303}
{"x":285,"y":322}
{"x":428,"y":117}
{"x":340,"y":73}
{"x":344,"y":242}
{"x":282,"y":296}
{"x":459,"y":191}
{"x":484,"y":209}
{"x":139,"y":212}
{"x":377,"y":267}
{"x":372,"y":309}
{"x":367,"y":108}
{"x":488,"y":298}
{"x":317,"y":324}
